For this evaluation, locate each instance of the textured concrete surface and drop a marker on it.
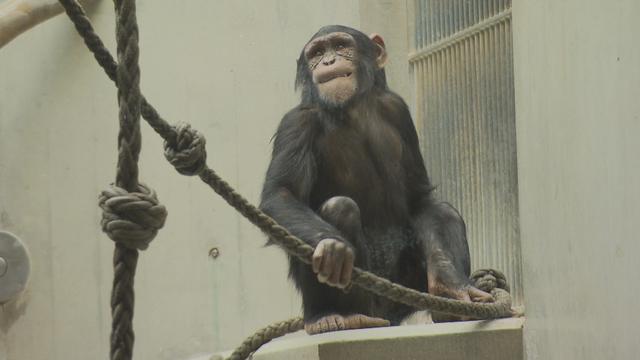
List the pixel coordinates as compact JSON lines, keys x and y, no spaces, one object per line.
{"x":578,"y":136}
{"x":478,"y":340}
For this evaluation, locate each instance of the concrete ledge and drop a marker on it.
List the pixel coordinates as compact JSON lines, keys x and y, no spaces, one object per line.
{"x":495,"y":340}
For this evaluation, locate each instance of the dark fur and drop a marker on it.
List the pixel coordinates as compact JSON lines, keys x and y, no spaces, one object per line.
{"x":367,"y":150}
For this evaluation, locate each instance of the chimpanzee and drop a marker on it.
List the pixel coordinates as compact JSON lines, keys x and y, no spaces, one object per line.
{"x":347,"y":176}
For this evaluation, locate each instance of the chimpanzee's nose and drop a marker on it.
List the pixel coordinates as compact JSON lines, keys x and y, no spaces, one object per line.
{"x":329,"y":60}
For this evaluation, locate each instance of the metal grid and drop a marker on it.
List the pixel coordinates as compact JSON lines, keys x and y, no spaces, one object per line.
{"x":463,"y":69}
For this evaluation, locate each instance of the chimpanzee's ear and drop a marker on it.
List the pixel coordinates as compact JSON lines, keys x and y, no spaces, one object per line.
{"x":381,"y":60}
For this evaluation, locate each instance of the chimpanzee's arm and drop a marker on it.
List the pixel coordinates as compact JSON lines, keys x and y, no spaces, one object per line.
{"x":291,"y":176}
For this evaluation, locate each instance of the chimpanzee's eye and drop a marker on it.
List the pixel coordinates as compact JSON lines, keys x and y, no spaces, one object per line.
{"x":339,"y":47}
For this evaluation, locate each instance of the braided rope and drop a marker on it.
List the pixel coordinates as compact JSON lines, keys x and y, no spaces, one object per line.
{"x":196,"y":165}
{"x":131,"y":212}
{"x":125,"y":259}
{"x":263,"y":336}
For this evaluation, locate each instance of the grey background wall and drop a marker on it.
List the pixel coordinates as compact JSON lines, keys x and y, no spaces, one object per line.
{"x":226,"y":67}
{"x":578,"y":136}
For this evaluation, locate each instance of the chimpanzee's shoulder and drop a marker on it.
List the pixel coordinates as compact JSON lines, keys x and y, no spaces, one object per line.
{"x":300,"y":120}
{"x":393,"y":102}
{"x":301,"y":115}
{"x":395,"y":110}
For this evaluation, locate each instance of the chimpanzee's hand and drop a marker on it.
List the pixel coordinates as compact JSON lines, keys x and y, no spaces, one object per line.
{"x":333,"y":262}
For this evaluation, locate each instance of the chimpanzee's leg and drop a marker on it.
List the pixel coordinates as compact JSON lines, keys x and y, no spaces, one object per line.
{"x":441,"y":232}
{"x":327,"y":308}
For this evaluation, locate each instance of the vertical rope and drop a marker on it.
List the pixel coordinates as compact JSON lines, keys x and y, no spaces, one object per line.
{"x":129,"y":141}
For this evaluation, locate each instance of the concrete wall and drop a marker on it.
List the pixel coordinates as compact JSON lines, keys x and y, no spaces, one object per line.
{"x":389,"y":18}
{"x":227,"y":67}
{"x":578,"y":135}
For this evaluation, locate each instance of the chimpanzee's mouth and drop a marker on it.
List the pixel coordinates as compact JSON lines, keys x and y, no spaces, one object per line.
{"x":333,"y":76}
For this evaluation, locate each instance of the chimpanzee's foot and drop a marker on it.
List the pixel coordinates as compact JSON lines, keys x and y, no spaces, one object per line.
{"x":467,"y":293}
{"x":335,"y":322}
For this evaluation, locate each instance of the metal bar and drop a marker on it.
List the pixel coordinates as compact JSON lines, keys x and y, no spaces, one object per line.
{"x":465,"y":119}
{"x":459,"y":36}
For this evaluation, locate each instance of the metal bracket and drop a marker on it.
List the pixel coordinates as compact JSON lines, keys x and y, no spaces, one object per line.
{"x":15,"y":266}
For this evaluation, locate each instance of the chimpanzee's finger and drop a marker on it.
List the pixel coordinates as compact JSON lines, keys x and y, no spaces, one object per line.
{"x":338,"y":259}
{"x":316,"y":259}
{"x":327,"y":264}
{"x":347,"y":269}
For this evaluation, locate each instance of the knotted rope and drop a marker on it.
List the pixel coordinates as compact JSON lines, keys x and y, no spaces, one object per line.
{"x":489,"y":279}
{"x":185,"y":149}
{"x":131,"y":219}
{"x":131,"y":212}
{"x":187,"y":152}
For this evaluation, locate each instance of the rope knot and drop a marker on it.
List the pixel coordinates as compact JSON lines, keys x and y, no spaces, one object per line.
{"x":489,"y":279}
{"x":187,"y":153}
{"x":131,"y":218}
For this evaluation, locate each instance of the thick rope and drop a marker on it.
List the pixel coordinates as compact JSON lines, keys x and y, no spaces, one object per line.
{"x":263,"y":336}
{"x":131,"y":212}
{"x":125,"y":258}
{"x":292,"y":244}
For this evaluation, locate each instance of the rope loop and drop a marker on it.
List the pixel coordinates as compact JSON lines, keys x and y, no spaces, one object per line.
{"x":489,"y":279}
{"x":263,"y":336}
{"x":187,"y":153}
{"x":131,"y":218}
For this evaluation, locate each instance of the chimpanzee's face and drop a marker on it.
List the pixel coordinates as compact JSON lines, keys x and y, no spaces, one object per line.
{"x":331,"y":60}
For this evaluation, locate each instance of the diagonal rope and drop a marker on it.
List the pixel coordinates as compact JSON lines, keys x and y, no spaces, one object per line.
{"x":76,"y":13}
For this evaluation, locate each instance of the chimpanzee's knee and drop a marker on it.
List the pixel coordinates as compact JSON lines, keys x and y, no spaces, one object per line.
{"x":343,"y":213}
{"x":453,"y":233}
